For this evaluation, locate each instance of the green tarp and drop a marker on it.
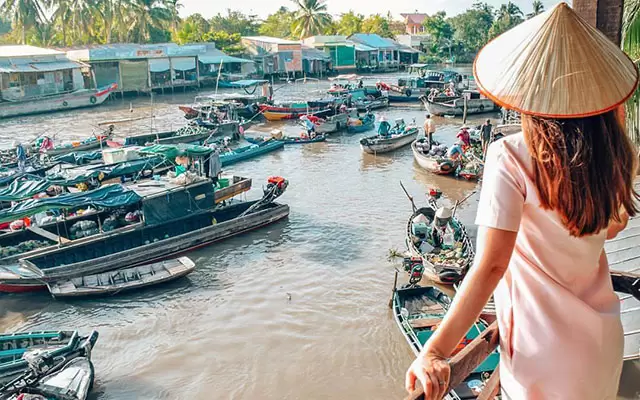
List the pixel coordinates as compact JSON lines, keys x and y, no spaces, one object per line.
{"x":172,"y":151}
{"x":23,"y":189}
{"x":105,"y":197}
{"x":80,"y":158}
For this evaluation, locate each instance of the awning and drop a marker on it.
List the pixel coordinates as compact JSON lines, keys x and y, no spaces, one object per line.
{"x":407,"y":49}
{"x":362,"y":47}
{"x":159,"y":64}
{"x":183,"y":63}
{"x":246,"y":83}
{"x":23,"y":189}
{"x":8,"y":67}
{"x":106,"y":196}
{"x":222,"y":58}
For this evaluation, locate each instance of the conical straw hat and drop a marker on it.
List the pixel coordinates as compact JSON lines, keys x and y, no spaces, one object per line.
{"x":555,"y":65}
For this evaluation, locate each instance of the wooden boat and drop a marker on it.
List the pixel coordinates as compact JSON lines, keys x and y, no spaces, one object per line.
{"x":13,"y":347}
{"x":367,"y":123}
{"x":91,"y":143}
{"x":187,"y":134}
{"x":176,"y":220}
{"x":393,"y":141}
{"x":114,"y":282}
{"x":476,"y":104}
{"x":73,"y":382}
{"x":434,"y":164}
{"x":286,"y":139}
{"x":249,"y":152}
{"x":443,"y":265}
{"x":67,"y":101}
{"x":283,"y":111}
{"x":418,"y":311}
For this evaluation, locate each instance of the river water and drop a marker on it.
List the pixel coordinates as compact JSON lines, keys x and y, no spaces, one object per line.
{"x":229,"y":331}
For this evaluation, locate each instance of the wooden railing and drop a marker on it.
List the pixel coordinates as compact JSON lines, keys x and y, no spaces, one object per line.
{"x":467,"y":360}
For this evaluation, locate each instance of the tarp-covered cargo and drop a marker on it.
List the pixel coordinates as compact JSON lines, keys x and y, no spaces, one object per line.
{"x":172,"y":151}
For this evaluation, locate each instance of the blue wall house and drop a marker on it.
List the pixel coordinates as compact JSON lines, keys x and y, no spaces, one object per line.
{"x":386,"y":50}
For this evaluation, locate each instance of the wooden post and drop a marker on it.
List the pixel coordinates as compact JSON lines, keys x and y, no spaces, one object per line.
{"x":606,"y":15}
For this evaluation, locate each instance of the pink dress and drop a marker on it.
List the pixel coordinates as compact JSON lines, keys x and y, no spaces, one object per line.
{"x":559,"y":319}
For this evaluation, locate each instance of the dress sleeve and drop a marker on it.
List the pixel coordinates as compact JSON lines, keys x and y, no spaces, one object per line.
{"x":503,"y":195}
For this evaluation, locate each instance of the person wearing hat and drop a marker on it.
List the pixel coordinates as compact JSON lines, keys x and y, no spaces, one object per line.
{"x":464,"y":136}
{"x":384,"y":127}
{"x":551,"y":195}
{"x":441,"y":231}
{"x":21,"y":155}
{"x":429,"y":128}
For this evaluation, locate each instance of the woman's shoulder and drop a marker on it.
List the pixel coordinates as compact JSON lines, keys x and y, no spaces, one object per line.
{"x":513,"y":145}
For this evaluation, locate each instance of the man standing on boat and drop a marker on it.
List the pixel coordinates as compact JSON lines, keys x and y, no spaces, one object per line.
{"x":485,"y":135}
{"x":429,"y":129}
{"x":21,"y":156}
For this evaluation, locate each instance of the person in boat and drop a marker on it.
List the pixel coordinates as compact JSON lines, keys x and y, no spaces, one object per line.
{"x":464,"y":136}
{"x":384,"y":127}
{"x":485,"y":135}
{"x":360,"y":84}
{"x":456,"y":151}
{"x":452,"y":87}
{"x":543,"y":216}
{"x":441,"y":232}
{"x":309,"y":126}
{"x":214,"y":166}
{"x":429,"y":129}
{"x":21,"y":156}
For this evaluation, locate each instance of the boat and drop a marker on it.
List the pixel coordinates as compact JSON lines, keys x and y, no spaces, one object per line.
{"x":248,"y":152}
{"x":90,"y":143}
{"x":366,"y":123}
{"x":293,"y":110}
{"x":234,"y":106}
{"x":393,"y":141}
{"x":475,"y":104}
{"x":191,"y":133}
{"x":436,"y":164}
{"x":58,"y":102}
{"x":47,"y":375}
{"x":122,"y":280}
{"x":418,"y":311}
{"x":14,"y":346}
{"x":446,"y":264}
{"x":176,"y":219}
{"x":286,"y":139}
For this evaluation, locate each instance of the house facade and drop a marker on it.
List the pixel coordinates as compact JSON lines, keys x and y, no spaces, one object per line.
{"x":414,"y":23}
{"x":274,"y":56}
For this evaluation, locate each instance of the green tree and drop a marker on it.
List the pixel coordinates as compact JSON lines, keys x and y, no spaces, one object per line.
{"x":508,"y":16}
{"x":349,"y":23}
{"x":395,"y":27}
{"x":228,"y":43}
{"x":377,"y":24}
{"x":189,"y":33}
{"x":174,"y":19}
{"x":278,"y":24}
{"x":235,"y":22}
{"x":538,"y":8}
{"x":631,"y":45}
{"x":437,"y":26}
{"x":24,"y":15}
{"x":146,"y":18}
{"x":471,"y":28}
{"x":311,"y":18}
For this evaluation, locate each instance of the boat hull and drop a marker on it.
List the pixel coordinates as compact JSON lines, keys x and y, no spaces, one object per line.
{"x":83,"y":147}
{"x":456,"y":108}
{"x":432,"y":164}
{"x":384,"y":146}
{"x":251,"y":153}
{"x":274,"y":113}
{"x":79,"y":99}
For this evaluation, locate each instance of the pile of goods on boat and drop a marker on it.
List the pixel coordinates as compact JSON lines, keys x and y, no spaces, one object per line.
{"x":46,"y":365}
{"x":443,"y":160}
{"x":437,"y":239}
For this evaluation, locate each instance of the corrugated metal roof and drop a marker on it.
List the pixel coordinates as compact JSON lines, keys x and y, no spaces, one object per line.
{"x":309,"y":53}
{"x":26,"y":51}
{"x":7,"y":67}
{"x":126,"y":51}
{"x":215,"y":56}
{"x":374,"y":40}
{"x":362,"y":47}
{"x":269,"y":39}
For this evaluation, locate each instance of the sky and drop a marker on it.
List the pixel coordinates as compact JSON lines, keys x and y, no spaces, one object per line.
{"x":262,"y":8}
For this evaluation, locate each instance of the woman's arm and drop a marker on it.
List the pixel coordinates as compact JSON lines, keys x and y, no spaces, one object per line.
{"x":495,"y":247}
{"x":616,"y":227}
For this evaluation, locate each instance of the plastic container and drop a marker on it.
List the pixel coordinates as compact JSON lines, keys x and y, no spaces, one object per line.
{"x":420,"y":229}
{"x":223,"y":183}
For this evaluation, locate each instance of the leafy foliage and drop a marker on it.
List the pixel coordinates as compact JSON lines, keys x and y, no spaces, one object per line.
{"x":377,"y":24}
{"x":278,"y":24}
{"x":350,"y":23}
{"x":311,"y":18}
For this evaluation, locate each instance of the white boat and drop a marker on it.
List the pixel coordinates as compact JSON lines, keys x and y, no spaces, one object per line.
{"x":475,"y":104}
{"x":57,"y":102}
{"x":434,"y":164}
{"x":383,"y":144}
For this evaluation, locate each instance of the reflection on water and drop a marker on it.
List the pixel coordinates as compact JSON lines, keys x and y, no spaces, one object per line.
{"x":229,"y":330}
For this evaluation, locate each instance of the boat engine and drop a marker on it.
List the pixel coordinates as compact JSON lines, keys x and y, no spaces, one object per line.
{"x":415,"y":268}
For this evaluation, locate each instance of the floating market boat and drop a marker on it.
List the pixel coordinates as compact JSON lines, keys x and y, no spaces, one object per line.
{"x":77,"y":99}
{"x":475,"y":104}
{"x":244,"y":105}
{"x":114,"y":282}
{"x":176,"y":219}
{"x":362,"y":124}
{"x":281,"y":111}
{"x":13,"y":347}
{"x":249,"y":152}
{"x":420,"y":81}
{"x":445,"y":263}
{"x":436,"y":164}
{"x":187,"y":134}
{"x":286,"y":139}
{"x":91,"y":143}
{"x":393,"y":141}
{"x":418,"y":311}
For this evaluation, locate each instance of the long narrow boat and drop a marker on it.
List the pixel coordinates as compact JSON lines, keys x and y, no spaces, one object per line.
{"x":286,"y":139}
{"x":367,"y":123}
{"x":443,"y":265}
{"x":91,"y":143}
{"x":122,"y":280}
{"x":176,"y":220}
{"x":418,"y":311}
{"x":249,"y":152}
{"x":476,"y":104}
{"x":283,"y":111}
{"x":393,"y":141}
{"x":188,"y":134}
{"x":434,"y":164}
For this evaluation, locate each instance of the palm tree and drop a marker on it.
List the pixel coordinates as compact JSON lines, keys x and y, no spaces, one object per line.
{"x":173,"y":6}
{"x":538,"y":8}
{"x":144,"y":16}
{"x":631,"y":45}
{"x":311,"y":18}
{"x":24,"y":14}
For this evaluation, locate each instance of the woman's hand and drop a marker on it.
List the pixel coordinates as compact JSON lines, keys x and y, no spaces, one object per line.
{"x":432,"y":370}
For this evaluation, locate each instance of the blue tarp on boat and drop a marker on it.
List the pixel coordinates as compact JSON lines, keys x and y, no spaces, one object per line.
{"x":105,"y":197}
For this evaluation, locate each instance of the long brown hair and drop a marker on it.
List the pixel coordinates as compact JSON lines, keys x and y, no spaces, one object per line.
{"x":584,"y":169}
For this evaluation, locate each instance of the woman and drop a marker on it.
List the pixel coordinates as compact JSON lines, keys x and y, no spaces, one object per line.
{"x":550,"y":197}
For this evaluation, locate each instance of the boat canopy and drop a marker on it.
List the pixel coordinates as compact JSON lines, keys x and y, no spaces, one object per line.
{"x":79,"y":158}
{"x":347,"y":77}
{"x":106,"y":197}
{"x":246,"y":83}
{"x":176,"y":150}
{"x":23,"y":189}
